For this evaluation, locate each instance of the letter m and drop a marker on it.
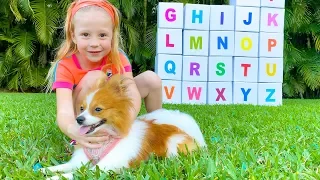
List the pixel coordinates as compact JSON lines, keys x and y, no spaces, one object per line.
{"x":195,"y":44}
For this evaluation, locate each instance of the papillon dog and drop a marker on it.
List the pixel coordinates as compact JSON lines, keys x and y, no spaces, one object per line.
{"x":163,"y":133}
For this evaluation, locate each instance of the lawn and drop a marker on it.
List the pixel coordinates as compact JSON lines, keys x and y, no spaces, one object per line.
{"x":244,"y":142}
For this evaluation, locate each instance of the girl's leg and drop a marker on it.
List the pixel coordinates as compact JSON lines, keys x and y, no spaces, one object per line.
{"x":150,"y":87}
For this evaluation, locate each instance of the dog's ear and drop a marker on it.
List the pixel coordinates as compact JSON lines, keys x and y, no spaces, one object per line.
{"x":118,"y":83}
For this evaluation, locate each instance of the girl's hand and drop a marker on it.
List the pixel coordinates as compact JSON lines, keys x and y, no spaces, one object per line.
{"x":90,"y":141}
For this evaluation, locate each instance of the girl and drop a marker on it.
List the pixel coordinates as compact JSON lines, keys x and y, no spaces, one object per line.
{"x":90,"y":51}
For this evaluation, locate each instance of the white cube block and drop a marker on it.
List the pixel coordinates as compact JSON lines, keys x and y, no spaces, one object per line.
{"x":195,"y":43}
{"x":273,"y":3}
{"x":272,"y":20}
{"x":197,"y":16}
{"x":221,"y":43}
{"x":245,"y":69}
{"x":245,"y":93}
{"x":220,"y":93}
{"x":271,"y":70}
{"x":247,"y":19}
{"x":246,"y":44}
{"x":171,"y":91}
{"x":195,"y":68}
{"x":169,"y":41}
{"x":222,"y":17}
{"x":170,"y":15}
{"x":220,"y":68}
{"x":169,"y":66}
{"x":254,"y":3}
{"x":271,"y":44}
{"x":270,"y":94}
{"x":194,"y":92}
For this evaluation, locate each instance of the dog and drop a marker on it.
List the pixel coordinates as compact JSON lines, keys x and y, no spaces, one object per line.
{"x":164,"y":133}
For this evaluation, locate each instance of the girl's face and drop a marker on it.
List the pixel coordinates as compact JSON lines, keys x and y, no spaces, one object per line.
{"x":92,"y":34}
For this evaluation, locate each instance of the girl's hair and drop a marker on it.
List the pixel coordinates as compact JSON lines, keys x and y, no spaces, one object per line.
{"x":68,"y":47}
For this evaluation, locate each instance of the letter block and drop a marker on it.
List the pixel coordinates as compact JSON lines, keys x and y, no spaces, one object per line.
{"x":220,"y":68}
{"x":197,"y":17}
{"x":273,"y":3}
{"x":253,"y":3}
{"x":271,"y":70}
{"x":271,"y":44}
{"x":171,"y":91}
{"x":245,"y":93}
{"x":195,"y":68}
{"x":170,"y":15}
{"x":245,"y":69}
{"x":270,"y":94}
{"x":221,"y":43}
{"x":194,"y":92}
{"x":220,"y":93}
{"x":169,"y":66}
{"x":222,"y":17}
{"x":169,"y":41}
{"x":246,"y":44}
{"x":272,"y":20}
{"x":247,"y":19}
{"x":195,"y":43}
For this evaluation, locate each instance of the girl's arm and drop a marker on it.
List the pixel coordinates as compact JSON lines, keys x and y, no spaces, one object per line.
{"x":134,"y":95}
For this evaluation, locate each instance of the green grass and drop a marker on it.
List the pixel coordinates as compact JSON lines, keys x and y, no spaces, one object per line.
{"x":244,"y":142}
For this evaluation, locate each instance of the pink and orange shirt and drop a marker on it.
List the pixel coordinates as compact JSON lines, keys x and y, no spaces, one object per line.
{"x":68,"y":72}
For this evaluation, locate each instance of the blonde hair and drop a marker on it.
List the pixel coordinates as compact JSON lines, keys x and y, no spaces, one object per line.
{"x":68,"y":47}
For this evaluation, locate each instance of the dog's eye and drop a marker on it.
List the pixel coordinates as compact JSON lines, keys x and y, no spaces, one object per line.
{"x":98,"y":109}
{"x":81,"y":108}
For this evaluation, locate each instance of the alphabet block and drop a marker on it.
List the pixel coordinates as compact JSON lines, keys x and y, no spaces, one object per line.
{"x":246,"y":44}
{"x":271,"y":44}
{"x":220,"y":68}
{"x":245,"y":69}
{"x":222,"y":17}
{"x":272,"y":20}
{"x":195,"y":43}
{"x":247,"y":19}
{"x":169,"y":66}
{"x":171,"y":91}
{"x":195,"y":68}
{"x":169,"y":41}
{"x":245,"y":93}
{"x":270,"y":94}
{"x":271,"y":70}
{"x":253,"y":3}
{"x":221,"y":43}
{"x":219,"y":93}
{"x":170,"y":15}
{"x":197,"y":16}
{"x":194,"y":92}
{"x":273,"y":3}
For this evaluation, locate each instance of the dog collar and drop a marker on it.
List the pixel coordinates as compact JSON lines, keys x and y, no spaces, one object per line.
{"x":95,"y":155}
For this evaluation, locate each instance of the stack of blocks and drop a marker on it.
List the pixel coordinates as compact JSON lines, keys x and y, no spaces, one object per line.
{"x":221,"y":54}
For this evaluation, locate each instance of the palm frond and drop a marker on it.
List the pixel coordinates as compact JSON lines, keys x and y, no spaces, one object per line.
{"x":24,"y":44}
{"x":14,"y":9}
{"x":25,"y":7}
{"x":46,"y":18}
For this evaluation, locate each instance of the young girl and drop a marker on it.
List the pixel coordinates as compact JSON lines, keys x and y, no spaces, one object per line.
{"x":90,"y":51}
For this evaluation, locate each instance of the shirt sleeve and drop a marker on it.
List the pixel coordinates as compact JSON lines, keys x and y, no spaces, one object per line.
{"x":63,"y":78}
{"x":125,"y":61}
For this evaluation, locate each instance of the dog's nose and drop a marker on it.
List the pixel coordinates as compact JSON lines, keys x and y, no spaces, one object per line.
{"x":80,"y":119}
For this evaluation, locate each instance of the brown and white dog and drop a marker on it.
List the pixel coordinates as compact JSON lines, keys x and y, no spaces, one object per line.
{"x":164,"y":133}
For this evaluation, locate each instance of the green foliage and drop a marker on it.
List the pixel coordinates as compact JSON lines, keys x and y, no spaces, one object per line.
{"x":30,"y":32}
{"x":267,"y":143}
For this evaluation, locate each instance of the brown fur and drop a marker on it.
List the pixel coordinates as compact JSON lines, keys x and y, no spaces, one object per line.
{"x":156,"y":140}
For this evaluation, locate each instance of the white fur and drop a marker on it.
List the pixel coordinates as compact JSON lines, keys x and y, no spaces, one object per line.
{"x":129,"y":147}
